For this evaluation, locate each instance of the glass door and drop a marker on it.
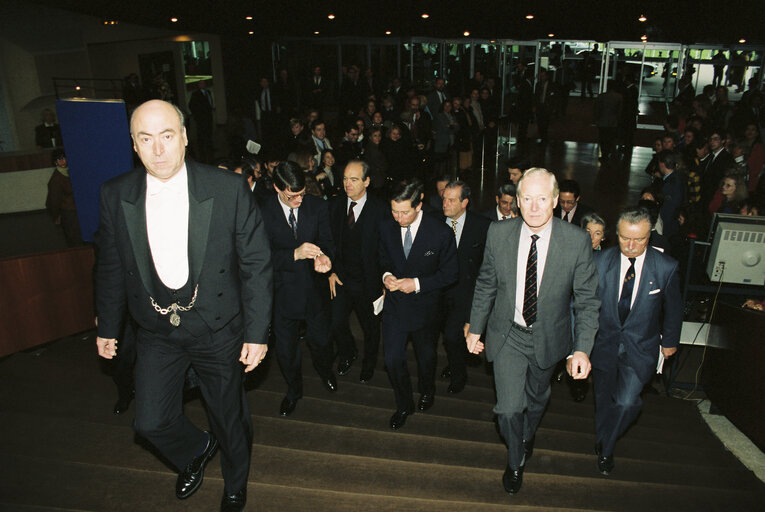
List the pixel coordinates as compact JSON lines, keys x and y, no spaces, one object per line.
{"x":654,"y":66}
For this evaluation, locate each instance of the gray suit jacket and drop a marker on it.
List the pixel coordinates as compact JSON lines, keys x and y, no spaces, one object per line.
{"x":569,"y":278}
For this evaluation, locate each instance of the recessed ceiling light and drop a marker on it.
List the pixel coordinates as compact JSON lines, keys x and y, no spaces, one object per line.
{"x":466,"y":33}
{"x":550,"y":35}
{"x":331,"y":16}
{"x":425,"y":16}
{"x":316,"y":32}
{"x":644,"y":38}
{"x":387,"y":32}
{"x":251,"y":32}
{"x":529,"y":16}
{"x":248,"y":18}
{"x":742,"y":40}
{"x":174,"y":20}
{"x":642,"y":18}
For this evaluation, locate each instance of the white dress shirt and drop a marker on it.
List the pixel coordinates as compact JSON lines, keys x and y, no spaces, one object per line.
{"x":286,"y":209}
{"x":460,"y":226}
{"x":524,"y":244}
{"x":360,"y":202}
{"x":570,"y":214}
{"x":167,"y":227}
{"x":500,"y":215}
{"x":413,"y":227}
{"x":625,"y":264}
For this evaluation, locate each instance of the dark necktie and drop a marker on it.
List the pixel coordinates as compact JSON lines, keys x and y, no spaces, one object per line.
{"x":293,"y":223}
{"x":530,"y":293}
{"x":351,"y":215}
{"x":626,"y":297}
{"x":566,"y":217}
{"x":407,"y":242}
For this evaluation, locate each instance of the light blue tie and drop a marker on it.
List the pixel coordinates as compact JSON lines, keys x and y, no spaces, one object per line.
{"x":407,"y":242}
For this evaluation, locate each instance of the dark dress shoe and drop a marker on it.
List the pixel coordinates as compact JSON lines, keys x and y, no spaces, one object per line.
{"x":528,"y":448}
{"x":456,"y":387}
{"x":191,"y":477}
{"x":399,"y":419}
{"x":287,"y":406}
{"x":366,"y":374}
{"x":344,"y":366}
{"x":606,"y":464}
{"x":123,"y":402}
{"x":512,"y":479}
{"x":446,"y":373}
{"x":330,"y":383}
{"x":426,"y":402}
{"x":234,"y":502}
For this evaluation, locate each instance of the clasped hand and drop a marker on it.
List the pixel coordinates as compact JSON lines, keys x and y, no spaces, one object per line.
{"x":405,"y":285}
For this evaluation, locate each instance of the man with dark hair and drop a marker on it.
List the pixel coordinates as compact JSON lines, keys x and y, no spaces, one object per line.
{"x":355,"y":281}
{"x":608,"y":111}
{"x":533,"y":268}
{"x":569,"y":208}
{"x":506,"y":205}
{"x":470,"y":236}
{"x":418,"y":259}
{"x":673,"y":189}
{"x":629,"y":113}
{"x":642,"y":310}
{"x":302,"y":251}
{"x":516,"y":166}
{"x":349,"y":148}
{"x":201,"y":105}
{"x":200,"y":296}
{"x":435,"y":201}
{"x":320,"y":140}
{"x":720,"y":161}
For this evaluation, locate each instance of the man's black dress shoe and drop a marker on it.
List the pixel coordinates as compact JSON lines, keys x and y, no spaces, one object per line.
{"x":287,"y":406}
{"x":234,"y":502}
{"x":426,"y":402}
{"x":330,"y":383}
{"x":399,"y":419}
{"x":191,"y":477}
{"x":456,"y":387}
{"x":512,"y":479}
{"x":344,"y":366}
{"x":366,"y":374}
{"x":528,"y":448}
{"x":446,"y":373}
{"x":605,"y":464}
{"x":123,"y":402}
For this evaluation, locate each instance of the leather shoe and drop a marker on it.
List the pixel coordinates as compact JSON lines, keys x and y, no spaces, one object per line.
{"x":512,"y":479}
{"x":234,"y":502}
{"x":456,"y":387}
{"x":446,"y":373}
{"x":606,"y":464}
{"x":366,"y":374}
{"x":344,"y":366}
{"x":426,"y":402}
{"x":191,"y":477}
{"x":399,"y":419}
{"x":123,"y":403}
{"x":528,"y":448}
{"x":287,"y":406}
{"x":330,"y":383}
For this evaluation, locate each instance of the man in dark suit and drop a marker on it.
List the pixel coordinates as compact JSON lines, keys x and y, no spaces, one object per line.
{"x":355,"y":282}
{"x":269,"y":109}
{"x":673,"y":190}
{"x":201,"y":106}
{"x":470,"y":236}
{"x":437,"y":97}
{"x":506,"y":204}
{"x":302,"y":250}
{"x":720,"y":161}
{"x":316,"y":90}
{"x":569,"y":208}
{"x":182,"y":245}
{"x":533,"y":268}
{"x":641,"y":310}
{"x":418,"y":259}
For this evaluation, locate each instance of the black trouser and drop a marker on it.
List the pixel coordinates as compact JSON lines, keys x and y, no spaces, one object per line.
{"x":124,"y":363}
{"x":394,"y":347}
{"x":351,"y":297}
{"x":454,"y":341}
{"x":288,"y":349}
{"x":160,"y":370}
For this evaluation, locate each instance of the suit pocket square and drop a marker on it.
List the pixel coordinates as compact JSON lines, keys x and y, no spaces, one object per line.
{"x":429,"y":253}
{"x":654,"y":292}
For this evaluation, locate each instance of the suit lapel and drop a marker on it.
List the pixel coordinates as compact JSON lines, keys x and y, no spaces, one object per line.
{"x":200,"y":214}
{"x":134,"y":210}
{"x":554,"y":255}
{"x":647,"y":275}
{"x":613,"y":275}
{"x":511,"y":260}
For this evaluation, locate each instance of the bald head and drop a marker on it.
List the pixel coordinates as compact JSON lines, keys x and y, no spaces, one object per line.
{"x":159,"y":138}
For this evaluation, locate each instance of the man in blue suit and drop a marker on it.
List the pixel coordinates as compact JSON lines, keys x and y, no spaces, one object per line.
{"x":641,"y":310}
{"x":418,"y":259}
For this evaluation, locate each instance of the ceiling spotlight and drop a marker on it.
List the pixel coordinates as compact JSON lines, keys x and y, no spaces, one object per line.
{"x":316,"y":32}
{"x":550,"y":35}
{"x":644,"y":38}
{"x":174,"y":20}
{"x":742,"y":40}
{"x":331,"y":16}
{"x":642,"y":18}
{"x":492,"y":41}
{"x":425,"y":15}
{"x":387,"y":32}
{"x":251,"y":32}
{"x":529,"y":16}
{"x":466,"y":33}
{"x":248,"y":18}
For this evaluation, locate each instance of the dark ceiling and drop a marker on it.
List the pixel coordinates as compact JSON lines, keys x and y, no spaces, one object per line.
{"x":712,"y":21}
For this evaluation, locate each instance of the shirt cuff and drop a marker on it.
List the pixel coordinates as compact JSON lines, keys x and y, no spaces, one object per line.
{"x":416,"y":285}
{"x":386,"y":275}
